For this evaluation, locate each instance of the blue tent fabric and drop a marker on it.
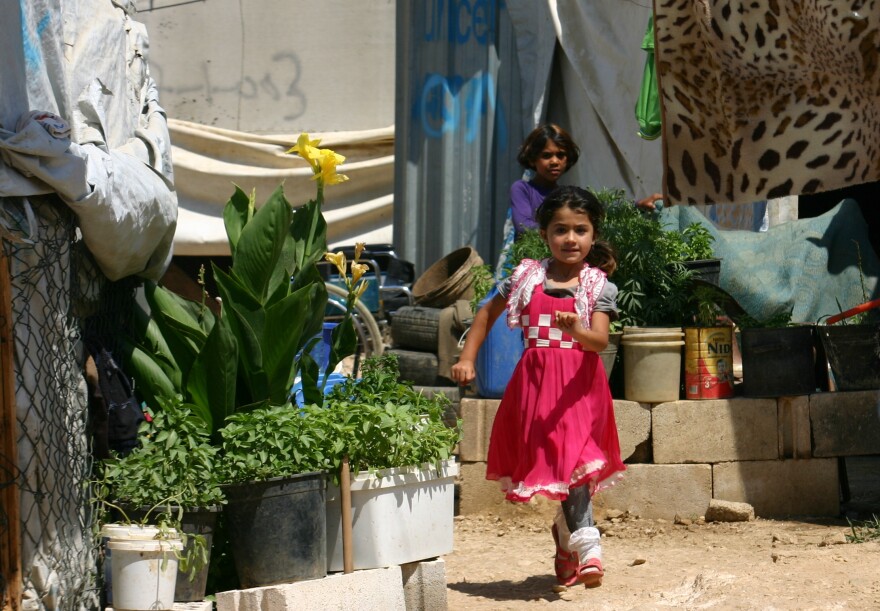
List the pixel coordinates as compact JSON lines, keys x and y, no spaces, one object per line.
{"x":809,"y":266}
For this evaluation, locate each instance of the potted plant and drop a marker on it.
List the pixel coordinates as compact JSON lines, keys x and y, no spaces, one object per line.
{"x":398,"y":446}
{"x":400,"y":452}
{"x":244,"y":362}
{"x":778,"y":356}
{"x":169,"y":480}
{"x":851,"y":340}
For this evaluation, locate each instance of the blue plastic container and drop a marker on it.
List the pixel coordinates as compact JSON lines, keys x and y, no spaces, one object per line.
{"x":498,"y":356}
{"x":333,"y":379}
{"x":321,"y":351}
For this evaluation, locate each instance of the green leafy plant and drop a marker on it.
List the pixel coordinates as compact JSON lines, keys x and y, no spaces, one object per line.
{"x":171,"y":470}
{"x":864,"y":531}
{"x":174,"y":462}
{"x":706,"y":300}
{"x":777,"y":319}
{"x":483,"y":280}
{"x":653,"y":283}
{"x":387,"y":423}
{"x":529,"y":245}
{"x":248,"y":357}
{"x":377,"y":421}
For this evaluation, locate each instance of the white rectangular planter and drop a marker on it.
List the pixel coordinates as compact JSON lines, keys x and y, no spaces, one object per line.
{"x":398,"y":516}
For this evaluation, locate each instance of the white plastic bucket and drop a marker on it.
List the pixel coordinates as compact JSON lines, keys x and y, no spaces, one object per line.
{"x":124,"y":532}
{"x":144,"y":573}
{"x":652,"y":330}
{"x":651,"y":370}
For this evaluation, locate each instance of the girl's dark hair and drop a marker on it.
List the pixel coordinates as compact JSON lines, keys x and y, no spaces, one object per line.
{"x":580,"y":200}
{"x":536,"y":141}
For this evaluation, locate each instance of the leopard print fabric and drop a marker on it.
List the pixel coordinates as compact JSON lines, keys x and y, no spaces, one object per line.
{"x":767,"y":98}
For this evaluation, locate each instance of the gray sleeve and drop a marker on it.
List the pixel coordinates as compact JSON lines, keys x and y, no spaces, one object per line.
{"x":607,"y":301}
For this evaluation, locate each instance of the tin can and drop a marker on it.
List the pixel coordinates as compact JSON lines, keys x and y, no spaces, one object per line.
{"x":708,"y":365}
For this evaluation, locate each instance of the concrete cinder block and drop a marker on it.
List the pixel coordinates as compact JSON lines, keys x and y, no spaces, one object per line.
{"x":477,"y":416}
{"x":845,"y":423}
{"x":780,"y":488}
{"x":633,"y":426}
{"x":424,"y":585}
{"x":714,"y":431}
{"x":793,"y":417}
{"x":659,"y":491}
{"x":477,"y":495}
{"x":373,"y":590}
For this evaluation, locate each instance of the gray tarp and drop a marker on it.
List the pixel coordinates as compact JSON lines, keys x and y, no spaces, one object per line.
{"x":86,"y":61}
{"x":104,"y":153}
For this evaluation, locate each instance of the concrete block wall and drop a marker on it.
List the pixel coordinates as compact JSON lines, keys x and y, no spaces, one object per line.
{"x":416,"y":586}
{"x":778,"y":454}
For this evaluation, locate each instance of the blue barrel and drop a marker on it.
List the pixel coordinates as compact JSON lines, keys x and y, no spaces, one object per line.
{"x":498,"y":356}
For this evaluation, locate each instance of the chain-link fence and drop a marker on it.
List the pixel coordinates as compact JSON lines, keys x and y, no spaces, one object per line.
{"x":55,"y":287}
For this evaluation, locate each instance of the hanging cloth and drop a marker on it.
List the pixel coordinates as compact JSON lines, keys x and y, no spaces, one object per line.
{"x":648,"y":104}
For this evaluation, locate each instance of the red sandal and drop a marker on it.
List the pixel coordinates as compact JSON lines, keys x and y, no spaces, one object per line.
{"x":591,"y":573}
{"x":565,"y":563}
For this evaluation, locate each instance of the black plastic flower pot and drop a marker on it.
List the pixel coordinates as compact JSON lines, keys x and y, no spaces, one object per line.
{"x":278,"y":529}
{"x":779,"y":362}
{"x":853,"y":353}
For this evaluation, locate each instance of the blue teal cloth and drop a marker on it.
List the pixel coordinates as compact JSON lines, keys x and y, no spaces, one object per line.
{"x":806,"y":266}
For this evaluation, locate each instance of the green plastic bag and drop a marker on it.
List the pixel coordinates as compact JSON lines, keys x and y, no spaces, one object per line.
{"x":648,"y":104}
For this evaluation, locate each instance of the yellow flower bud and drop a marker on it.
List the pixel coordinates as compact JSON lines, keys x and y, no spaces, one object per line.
{"x":360,"y":289}
{"x":357,"y":271}
{"x":359,"y":250}
{"x":338,"y":260}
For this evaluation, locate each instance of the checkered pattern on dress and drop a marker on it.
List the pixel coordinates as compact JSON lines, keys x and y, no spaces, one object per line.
{"x":545,"y":335}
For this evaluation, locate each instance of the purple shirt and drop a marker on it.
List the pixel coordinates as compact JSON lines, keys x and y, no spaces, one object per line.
{"x":525,"y":197}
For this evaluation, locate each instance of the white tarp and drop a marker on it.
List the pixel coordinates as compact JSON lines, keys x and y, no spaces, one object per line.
{"x":242,"y":80}
{"x":209,"y":161}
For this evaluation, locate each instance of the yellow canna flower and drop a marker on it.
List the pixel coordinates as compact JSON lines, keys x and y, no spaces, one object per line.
{"x":338,"y":260}
{"x":308,"y":150}
{"x":360,"y":289}
{"x":327,"y":162}
{"x":357,"y":271}
{"x":359,"y":250}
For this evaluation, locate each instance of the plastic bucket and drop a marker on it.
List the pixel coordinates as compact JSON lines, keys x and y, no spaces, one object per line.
{"x":853,"y":353}
{"x":778,"y":362}
{"x":194,"y":521}
{"x":278,"y":529}
{"x":609,"y":354}
{"x":144,"y":573}
{"x":630,"y":331}
{"x":498,"y":356}
{"x":124,"y":532}
{"x":708,"y":362}
{"x":651,"y":370}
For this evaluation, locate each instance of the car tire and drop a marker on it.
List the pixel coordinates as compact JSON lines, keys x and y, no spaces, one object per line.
{"x":416,"y":328}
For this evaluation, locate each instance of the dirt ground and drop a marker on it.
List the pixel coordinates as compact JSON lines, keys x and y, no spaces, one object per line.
{"x":654,"y":564}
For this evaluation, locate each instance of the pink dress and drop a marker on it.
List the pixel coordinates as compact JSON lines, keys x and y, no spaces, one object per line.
{"x":555,"y":427}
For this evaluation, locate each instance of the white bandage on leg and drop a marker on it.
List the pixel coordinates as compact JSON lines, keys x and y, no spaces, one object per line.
{"x":562,"y":529}
{"x":585,"y":541}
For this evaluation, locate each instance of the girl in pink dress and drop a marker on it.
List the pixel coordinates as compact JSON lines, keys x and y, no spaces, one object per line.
{"x":554,"y":433}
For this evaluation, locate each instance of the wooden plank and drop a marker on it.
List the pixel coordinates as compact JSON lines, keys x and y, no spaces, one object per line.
{"x":10,"y":542}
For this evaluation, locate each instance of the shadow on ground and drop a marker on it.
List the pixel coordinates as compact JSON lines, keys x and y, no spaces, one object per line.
{"x":534,"y":588}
